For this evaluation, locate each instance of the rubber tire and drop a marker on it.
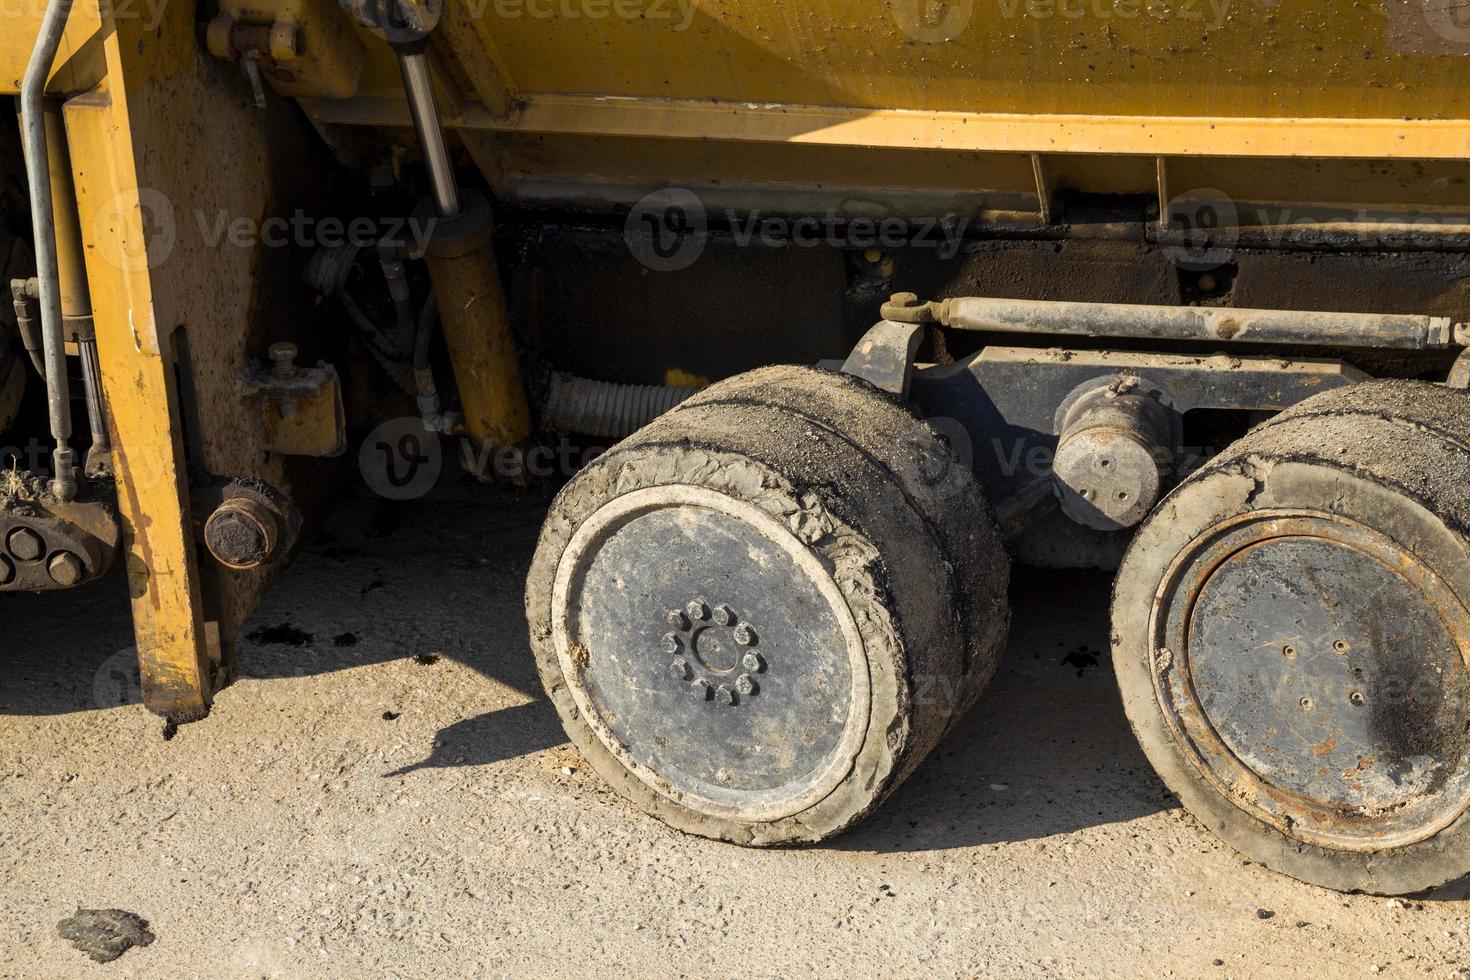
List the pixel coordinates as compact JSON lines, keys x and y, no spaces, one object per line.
{"x":1407,"y":439}
{"x":879,"y":498}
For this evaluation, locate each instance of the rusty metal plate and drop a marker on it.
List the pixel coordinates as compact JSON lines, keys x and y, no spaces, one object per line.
{"x":1317,"y":675}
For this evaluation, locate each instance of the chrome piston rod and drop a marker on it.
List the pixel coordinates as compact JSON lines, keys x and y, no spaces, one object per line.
{"x":413,"y":63}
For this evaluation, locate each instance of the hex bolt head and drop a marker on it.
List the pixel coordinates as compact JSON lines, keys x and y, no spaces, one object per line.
{"x":701,"y":690}
{"x":724,"y":615}
{"x":673,"y":643}
{"x":697,"y":609}
{"x":744,"y":635}
{"x":680,"y":669}
{"x":726,"y":695}
{"x":26,"y":544}
{"x":66,"y":569}
{"x":7,"y":570}
{"x":677,"y":619}
{"x":754,"y":663}
{"x":746,"y":684}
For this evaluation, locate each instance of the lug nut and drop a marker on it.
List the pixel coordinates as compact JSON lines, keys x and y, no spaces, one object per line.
{"x":754,"y":663}
{"x":672,"y":643}
{"x":744,"y":635}
{"x":697,"y":609}
{"x":724,"y":615}
{"x":680,"y":669}
{"x":677,"y":619}
{"x":701,"y":690}
{"x":726,"y":695}
{"x":746,"y":684}
{"x":26,"y":544}
{"x":66,"y":569}
{"x":7,"y":570}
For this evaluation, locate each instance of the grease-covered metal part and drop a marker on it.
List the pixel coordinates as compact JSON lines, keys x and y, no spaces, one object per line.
{"x":1379,"y":331}
{"x":48,"y":544}
{"x":1115,"y":449}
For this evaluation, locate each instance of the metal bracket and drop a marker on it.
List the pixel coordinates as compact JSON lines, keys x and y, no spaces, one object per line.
{"x":47,"y":544}
{"x":301,"y":409}
{"x":885,"y":357}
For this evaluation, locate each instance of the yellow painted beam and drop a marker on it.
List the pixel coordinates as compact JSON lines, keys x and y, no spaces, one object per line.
{"x":1413,"y":139}
{"x":138,"y":377}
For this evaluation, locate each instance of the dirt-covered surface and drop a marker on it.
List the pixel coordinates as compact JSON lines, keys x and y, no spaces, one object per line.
{"x":386,"y":793}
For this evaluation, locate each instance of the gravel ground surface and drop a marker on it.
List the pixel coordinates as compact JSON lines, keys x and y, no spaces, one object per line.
{"x":386,"y":793}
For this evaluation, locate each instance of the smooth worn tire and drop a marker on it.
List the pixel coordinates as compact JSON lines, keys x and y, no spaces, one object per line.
{"x":1292,"y":641}
{"x":815,"y":511}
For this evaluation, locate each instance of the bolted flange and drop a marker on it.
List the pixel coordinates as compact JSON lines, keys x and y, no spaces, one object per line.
{"x":706,"y":650}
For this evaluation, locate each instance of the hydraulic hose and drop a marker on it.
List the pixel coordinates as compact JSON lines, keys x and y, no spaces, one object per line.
{"x":43,"y":224}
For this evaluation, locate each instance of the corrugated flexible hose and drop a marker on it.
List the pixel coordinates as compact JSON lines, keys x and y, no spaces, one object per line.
{"x":606,"y":409}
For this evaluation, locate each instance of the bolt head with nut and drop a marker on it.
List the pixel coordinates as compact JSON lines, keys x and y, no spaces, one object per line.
{"x":701,"y":690}
{"x":726,"y":695}
{"x":66,"y":569}
{"x":744,"y":635}
{"x":753,"y":662}
{"x":698,"y":610}
{"x":724,"y":615}
{"x":26,"y":544}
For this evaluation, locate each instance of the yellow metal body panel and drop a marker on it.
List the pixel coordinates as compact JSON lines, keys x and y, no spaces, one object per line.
{"x":138,"y":378}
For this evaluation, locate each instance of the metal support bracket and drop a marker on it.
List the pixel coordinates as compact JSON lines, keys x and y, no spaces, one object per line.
{"x":301,"y":409}
{"x":885,"y":357}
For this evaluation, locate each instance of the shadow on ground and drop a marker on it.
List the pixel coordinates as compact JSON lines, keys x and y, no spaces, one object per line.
{"x":1047,"y":751}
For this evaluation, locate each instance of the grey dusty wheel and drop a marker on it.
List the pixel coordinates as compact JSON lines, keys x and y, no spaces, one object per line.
{"x":1292,"y":638}
{"x":759,"y":614}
